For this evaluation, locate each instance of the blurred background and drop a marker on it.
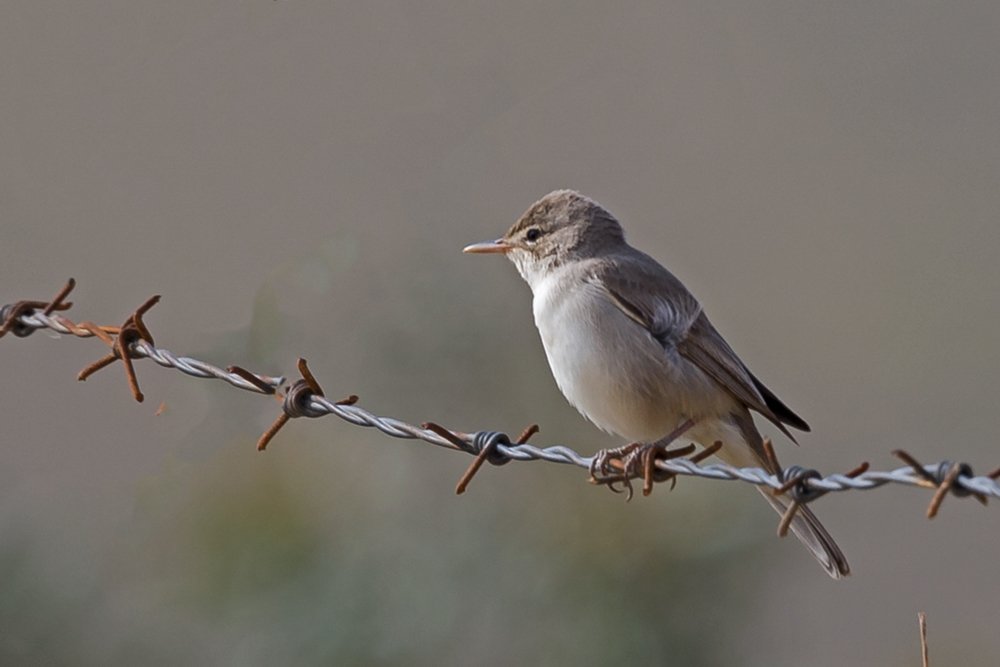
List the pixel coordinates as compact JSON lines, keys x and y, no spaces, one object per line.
{"x":298,"y":179}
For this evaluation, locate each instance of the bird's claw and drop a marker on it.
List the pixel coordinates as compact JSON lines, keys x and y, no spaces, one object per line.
{"x":637,"y":460}
{"x":612,"y":466}
{"x":623,"y":464}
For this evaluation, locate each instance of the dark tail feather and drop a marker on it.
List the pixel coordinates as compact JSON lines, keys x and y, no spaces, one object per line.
{"x":813,"y":535}
{"x":805,"y":525}
{"x":782,"y":412}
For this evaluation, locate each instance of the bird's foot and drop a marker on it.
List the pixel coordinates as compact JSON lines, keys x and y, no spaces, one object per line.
{"x":609,"y":467}
{"x":623,"y":464}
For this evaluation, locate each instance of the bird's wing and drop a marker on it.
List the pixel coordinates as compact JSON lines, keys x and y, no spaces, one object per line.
{"x":653,"y":299}
{"x":660,"y":303}
{"x":706,"y":348}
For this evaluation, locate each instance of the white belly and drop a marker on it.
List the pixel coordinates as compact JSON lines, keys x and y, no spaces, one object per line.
{"x":614,"y":372}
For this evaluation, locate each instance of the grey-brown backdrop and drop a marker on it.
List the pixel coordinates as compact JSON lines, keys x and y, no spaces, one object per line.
{"x":297,"y":179}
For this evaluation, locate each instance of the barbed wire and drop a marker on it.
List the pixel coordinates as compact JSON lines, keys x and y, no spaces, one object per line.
{"x":615,"y":468}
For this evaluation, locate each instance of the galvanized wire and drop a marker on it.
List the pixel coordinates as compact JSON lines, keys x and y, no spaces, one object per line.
{"x":304,"y":398}
{"x":166,"y":358}
{"x":353,"y":414}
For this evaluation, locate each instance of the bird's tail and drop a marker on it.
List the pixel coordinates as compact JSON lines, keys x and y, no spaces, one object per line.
{"x":750,"y":451}
{"x":813,"y":535}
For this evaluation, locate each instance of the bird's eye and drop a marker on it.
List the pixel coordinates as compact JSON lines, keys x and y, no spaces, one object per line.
{"x":533,"y":234}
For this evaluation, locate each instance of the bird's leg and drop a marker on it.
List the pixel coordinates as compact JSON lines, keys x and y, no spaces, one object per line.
{"x":622,"y":464}
{"x":608,"y":467}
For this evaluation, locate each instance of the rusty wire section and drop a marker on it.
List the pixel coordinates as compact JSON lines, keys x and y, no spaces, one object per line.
{"x":130,"y":341}
{"x":613,"y":468}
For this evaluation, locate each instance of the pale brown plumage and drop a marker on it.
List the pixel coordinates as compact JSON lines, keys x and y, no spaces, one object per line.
{"x":631,"y":348}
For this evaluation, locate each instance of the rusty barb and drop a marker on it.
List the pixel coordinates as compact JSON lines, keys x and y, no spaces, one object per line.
{"x":122,"y":345}
{"x":10,"y":316}
{"x":130,"y":341}
{"x":653,"y":463}
{"x":794,"y":485}
{"x":296,"y":403}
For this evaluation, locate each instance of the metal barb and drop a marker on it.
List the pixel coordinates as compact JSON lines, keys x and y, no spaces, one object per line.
{"x":458,"y":442}
{"x":13,"y":314}
{"x":918,"y":469}
{"x":943,"y":480}
{"x":57,"y":302}
{"x":256,"y":381}
{"x":123,"y":346}
{"x":611,"y":468}
{"x":947,"y":485}
{"x":651,"y":456}
{"x":484,"y":454}
{"x":786,"y":519}
{"x":800,"y":476}
{"x":33,"y":315}
{"x":297,"y":402}
{"x":272,"y":431}
{"x":800,"y":492}
{"x":308,"y":377}
{"x":772,"y":458}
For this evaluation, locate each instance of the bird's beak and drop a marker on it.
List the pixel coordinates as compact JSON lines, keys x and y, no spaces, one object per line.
{"x":489,"y":246}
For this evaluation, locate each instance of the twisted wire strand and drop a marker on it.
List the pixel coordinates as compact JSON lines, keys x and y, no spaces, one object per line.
{"x":201,"y":369}
{"x":721,"y":471}
{"x":316,"y":405}
{"x":56,"y":322}
{"x":166,"y":358}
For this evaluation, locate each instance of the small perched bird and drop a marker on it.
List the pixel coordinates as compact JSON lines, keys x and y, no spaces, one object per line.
{"x":633,"y":351}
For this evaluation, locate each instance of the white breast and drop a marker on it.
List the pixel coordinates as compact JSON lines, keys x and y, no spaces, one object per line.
{"x":611,"y":369}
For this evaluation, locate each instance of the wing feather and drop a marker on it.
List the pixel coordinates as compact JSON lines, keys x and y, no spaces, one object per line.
{"x":656,"y":300}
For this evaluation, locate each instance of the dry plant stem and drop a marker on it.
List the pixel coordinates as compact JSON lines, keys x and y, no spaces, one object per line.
{"x":923,"y":639}
{"x":484,"y":454}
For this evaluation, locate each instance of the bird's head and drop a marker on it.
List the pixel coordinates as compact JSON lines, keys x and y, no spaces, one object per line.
{"x":561,"y":226}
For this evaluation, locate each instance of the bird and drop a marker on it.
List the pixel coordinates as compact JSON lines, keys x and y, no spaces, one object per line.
{"x":634,"y":352}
